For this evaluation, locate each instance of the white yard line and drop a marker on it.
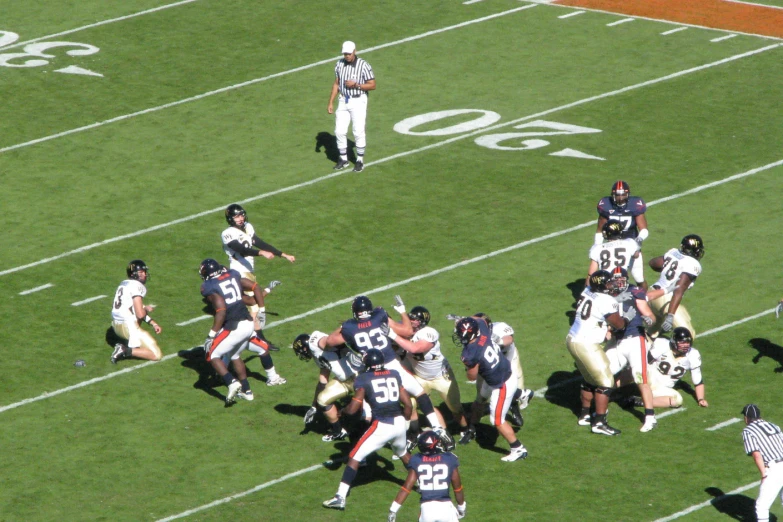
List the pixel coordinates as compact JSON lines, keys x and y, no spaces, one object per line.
{"x":36,"y":289}
{"x":244,"y":493}
{"x":754,"y":4}
{"x":724,"y":424}
{"x":400,"y":155}
{"x":672,"y":31}
{"x":97,"y":24}
{"x":708,"y":502}
{"x":257,"y":80}
{"x":721,"y":38}
{"x":89,"y":300}
{"x":667,"y":413}
{"x":569,"y":15}
{"x":618,"y":22}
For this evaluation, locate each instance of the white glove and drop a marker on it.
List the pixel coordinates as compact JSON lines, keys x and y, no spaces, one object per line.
{"x":310,"y":415}
{"x":453,"y":317}
{"x":388,"y":332}
{"x":778,"y":310}
{"x":668,"y":323}
{"x":399,"y":306}
{"x":208,"y":344}
{"x":392,"y":517}
{"x":462,"y":510}
{"x":648,"y":321}
{"x":630,"y":313}
{"x":272,"y":284}
{"x":639,"y":240}
{"x":261,"y":318}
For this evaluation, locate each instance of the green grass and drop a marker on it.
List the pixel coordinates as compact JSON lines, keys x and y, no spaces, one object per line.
{"x":147,"y":444}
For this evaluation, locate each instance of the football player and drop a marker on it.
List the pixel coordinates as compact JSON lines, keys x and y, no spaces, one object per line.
{"x":343,"y":364}
{"x":434,"y":470}
{"x":430,"y":368}
{"x":127,"y":312}
{"x":615,"y":251}
{"x":370,"y":328}
{"x":679,"y":268}
{"x":628,"y":347}
{"x":232,"y":327}
{"x":596,"y":312}
{"x":671,"y":359}
{"x":242,"y":246}
{"x":390,"y":404}
{"x":482,"y":357}
{"x":629,"y":211}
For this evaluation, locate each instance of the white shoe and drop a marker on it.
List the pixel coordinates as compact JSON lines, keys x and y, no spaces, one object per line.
{"x":336,"y":502}
{"x":248,"y":395}
{"x":329,"y":437}
{"x":584,"y":420}
{"x":277,"y":381}
{"x":649,"y":424}
{"x":515,"y":454}
{"x":524,"y":401}
{"x":233,"y":390}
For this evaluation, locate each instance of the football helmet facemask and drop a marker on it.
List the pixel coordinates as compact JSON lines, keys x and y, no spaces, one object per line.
{"x":301,"y":348}
{"x":465,"y":331}
{"x":600,"y":281}
{"x":233,"y":211}
{"x":620,"y":193}
{"x":361,"y":308}
{"x":209,"y":269}
{"x":619,"y":281}
{"x":373,"y":360}
{"x":612,"y":230}
{"x":692,"y":245}
{"x":429,"y":443}
{"x":136,"y":266}
{"x":681,"y":341}
{"x":420,"y":314}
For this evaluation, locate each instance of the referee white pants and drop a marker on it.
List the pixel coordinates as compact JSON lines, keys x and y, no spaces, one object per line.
{"x":354,"y":110}
{"x":438,"y":511}
{"x":769,"y":489}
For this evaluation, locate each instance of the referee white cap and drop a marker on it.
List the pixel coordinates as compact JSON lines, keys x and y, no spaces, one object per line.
{"x":751,"y":411}
{"x":348,"y":47}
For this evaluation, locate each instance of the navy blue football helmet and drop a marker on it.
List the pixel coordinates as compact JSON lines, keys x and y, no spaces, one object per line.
{"x":361,"y":308}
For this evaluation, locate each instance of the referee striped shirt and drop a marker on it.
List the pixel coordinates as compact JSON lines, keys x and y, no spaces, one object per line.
{"x":358,"y":71}
{"x":764,"y":437}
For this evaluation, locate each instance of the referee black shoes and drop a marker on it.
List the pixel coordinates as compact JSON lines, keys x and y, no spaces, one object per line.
{"x":359,"y":166}
{"x":341,"y":165}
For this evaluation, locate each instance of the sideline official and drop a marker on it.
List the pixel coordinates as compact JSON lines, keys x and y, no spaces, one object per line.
{"x":353,"y":80}
{"x":764,"y":442}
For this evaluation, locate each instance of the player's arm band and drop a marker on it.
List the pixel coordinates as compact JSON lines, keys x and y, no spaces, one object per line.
{"x":395,"y":507}
{"x":355,"y":399}
{"x":643,"y":234}
{"x":147,"y":319}
{"x":458,"y":489}
{"x":405,"y":490}
{"x":599,"y":238}
{"x":212,"y":334}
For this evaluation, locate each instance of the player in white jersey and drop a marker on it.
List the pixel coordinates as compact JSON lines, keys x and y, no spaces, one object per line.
{"x":671,"y":359}
{"x":615,"y":251}
{"x":337,"y":369}
{"x":596,"y":311}
{"x":679,"y":269}
{"x":127,"y":312}
{"x":430,"y":368}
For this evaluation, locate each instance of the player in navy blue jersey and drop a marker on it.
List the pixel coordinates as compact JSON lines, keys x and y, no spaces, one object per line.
{"x":435,"y":470}
{"x":390,"y":405}
{"x":372,"y":328}
{"x":482,"y":357}
{"x":232,"y":326}
{"x":630,"y":212}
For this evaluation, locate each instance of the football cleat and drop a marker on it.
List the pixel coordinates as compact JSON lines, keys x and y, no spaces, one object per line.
{"x":271,"y":347}
{"x":359,"y":166}
{"x":331,"y":437}
{"x":341,"y":165}
{"x":336,"y":502}
{"x":649,"y":424}
{"x":524,"y":401}
{"x":277,"y":381}
{"x":310,"y":415}
{"x":246,"y":395}
{"x":233,"y":390}
{"x":118,"y":353}
{"x":514,"y":415}
{"x":603,"y":428}
{"x":515,"y":454}
{"x":584,"y":420}
{"x":468,"y":435}
{"x":446,"y":440}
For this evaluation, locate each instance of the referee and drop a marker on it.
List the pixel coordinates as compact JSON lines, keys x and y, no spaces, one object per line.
{"x":353,"y":80}
{"x":764,"y":442}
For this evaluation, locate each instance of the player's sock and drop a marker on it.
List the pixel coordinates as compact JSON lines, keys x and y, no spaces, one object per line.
{"x":245,"y":385}
{"x":348,"y":475}
{"x":649,"y":413}
{"x":516,"y":444}
{"x":584,"y":411}
{"x":268,"y":364}
{"x":228,"y":378}
{"x":517,"y":394}
{"x":336,"y":427}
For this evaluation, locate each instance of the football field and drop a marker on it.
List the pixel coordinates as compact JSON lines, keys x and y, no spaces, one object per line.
{"x":496,"y":127}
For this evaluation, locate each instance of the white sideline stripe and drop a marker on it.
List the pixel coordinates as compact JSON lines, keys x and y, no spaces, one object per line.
{"x":618,"y":22}
{"x":721,"y":38}
{"x":569,"y":15}
{"x":89,"y":300}
{"x":707,"y":503}
{"x":395,"y":156}
{"x":36,"y":289}
{"x":97,"y":24}
{"x":755,"y":4}
{"x":472,"y":2}
{"x":518,"y":246}
{"x":724,"y":424}
{"x":650,"y":19}
{"x":257,"y":80}
{"x":672,"y":31}
{"x":243,"y":494}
